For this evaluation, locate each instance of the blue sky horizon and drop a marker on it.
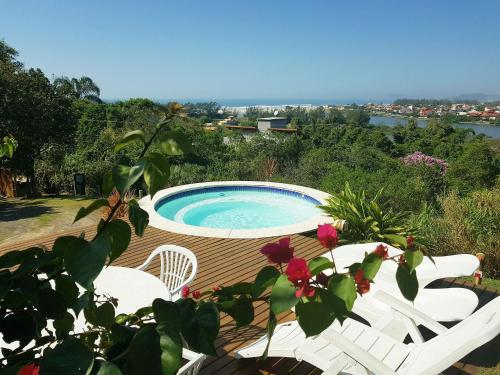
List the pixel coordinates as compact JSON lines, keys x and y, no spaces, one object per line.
{"x":280,"y":50}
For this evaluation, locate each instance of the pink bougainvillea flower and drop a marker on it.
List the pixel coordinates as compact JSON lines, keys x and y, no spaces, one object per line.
{"x":299,"y":274}
{"x":30,"y":369}
{"x":278,"y":253}
{"x":410,"y":242}
{"x":185,"y":292}
{"x":327,"y":235}
{"x":381,"y":251}
{"x":362,"y":284}
{"x":322,"y":279}
{"x":196,"y":294}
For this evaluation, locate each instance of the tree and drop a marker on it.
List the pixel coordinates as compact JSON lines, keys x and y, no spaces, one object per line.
{"x":78,"y":88}
{"x":31,"y":111}
{"x":474,"y":169}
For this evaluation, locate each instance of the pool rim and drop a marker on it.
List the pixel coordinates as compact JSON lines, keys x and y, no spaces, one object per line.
{"x":160,"y":222}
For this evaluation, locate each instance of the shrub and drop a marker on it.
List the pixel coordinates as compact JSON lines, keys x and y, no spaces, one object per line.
{"x":366,"y":220}
{"x":468,"y":225}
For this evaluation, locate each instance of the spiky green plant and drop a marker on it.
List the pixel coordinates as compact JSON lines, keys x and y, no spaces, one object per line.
{"x":366,"y":220}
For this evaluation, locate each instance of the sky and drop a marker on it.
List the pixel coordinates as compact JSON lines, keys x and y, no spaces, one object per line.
{"x":238,"y":49}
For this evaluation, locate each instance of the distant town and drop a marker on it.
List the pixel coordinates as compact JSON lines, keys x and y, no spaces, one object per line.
{"x":468,"y":112}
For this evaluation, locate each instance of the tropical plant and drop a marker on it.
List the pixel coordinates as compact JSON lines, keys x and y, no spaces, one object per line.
{"x":40,"y":297}
{"x":366,"y":220}
{"x":78,"y":88}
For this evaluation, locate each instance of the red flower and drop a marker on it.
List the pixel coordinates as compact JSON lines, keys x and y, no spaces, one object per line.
{"x":410,"y":241}
{"x":185,"y":292}
{"x":216,"y":288}
{"x":278,"y":253}
{"x":327,"y":236}
{"x":362,"y":284}
{"x":381,"y":251}
{"x":196,"y":294}
{"x":322,"y":279}
{"x":30,"y":369}
{"x":298,"y":273}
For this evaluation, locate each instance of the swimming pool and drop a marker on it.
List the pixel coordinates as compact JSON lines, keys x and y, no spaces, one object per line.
{"x":236,"y":209}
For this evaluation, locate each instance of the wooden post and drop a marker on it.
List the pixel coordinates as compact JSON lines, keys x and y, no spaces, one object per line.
{"x":478,"y":274}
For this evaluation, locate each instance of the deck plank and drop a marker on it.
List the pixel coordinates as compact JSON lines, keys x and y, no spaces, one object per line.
{"x":226,"y":261}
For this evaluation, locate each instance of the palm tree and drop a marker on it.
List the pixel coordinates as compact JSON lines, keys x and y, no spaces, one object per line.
{"x":82,"y":88}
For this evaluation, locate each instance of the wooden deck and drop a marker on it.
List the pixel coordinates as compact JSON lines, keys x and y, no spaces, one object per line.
{"x":226,"y":261}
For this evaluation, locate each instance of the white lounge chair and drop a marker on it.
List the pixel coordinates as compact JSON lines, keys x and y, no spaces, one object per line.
{"x":444,"y":305}
{"x":178,"y":267}
{"x":427,"y":272}
{"x":355,"y":348}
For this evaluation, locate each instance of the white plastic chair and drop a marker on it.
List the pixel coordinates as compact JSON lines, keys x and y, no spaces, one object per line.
{"x":355,"y":348}
{"x":175,"y":262}
{"x":195,"y":361}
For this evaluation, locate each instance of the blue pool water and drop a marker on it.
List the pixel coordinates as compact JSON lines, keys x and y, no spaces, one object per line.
{"x":238,"y":207}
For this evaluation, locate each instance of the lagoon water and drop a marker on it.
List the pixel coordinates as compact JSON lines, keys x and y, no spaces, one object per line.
{"x":489,"y":130}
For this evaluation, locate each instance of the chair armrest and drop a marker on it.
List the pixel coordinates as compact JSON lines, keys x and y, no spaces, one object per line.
{"x":410,"y":312}
{"x":357,"y":353}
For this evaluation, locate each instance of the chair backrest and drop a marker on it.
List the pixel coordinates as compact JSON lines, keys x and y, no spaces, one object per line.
{"x":175,"y":263}
{"x":439,"y":353}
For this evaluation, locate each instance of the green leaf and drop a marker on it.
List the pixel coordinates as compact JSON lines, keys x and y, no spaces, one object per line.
{"x":171,"y":349}
{"x":69,"y":357}
{"x":85,"y":260}
{"x":84,"y":211}
{"x":240,"y":309}
{"x":119,"y":233}
{"x":371,"y":264}
{"x":124,"y":176}
{"x":108,"y":368}
{"x":15,"y":257}
{"x":238,"y":288}
{"x":156,"y":172}
{"x":270,"y":326}
{"x":413,"y":258}
{"x":138,"y":217}
{"x":174,"y":143}
{"x":202,"y":328}
{"x":399,"y":241}
{"x":65,"y":324}
{"x":5,"y":283}
{"x":340,"y":295}
{"x":67,"y":288}
{"x":313,"y":317}
{"x":105,"y":315}
{"x":144,"y":352}
{"x":266,"y":277}
{"x":407,"y":282}
{"x":136,"y":135}
{"x":51,"y":303}
{"x":167,"y":312}
{"x":319,"y":264}
{"x":283,"y":295}
{"x":107,"y":183}
{"x":63,"y":243}
{"x":18,"y":326}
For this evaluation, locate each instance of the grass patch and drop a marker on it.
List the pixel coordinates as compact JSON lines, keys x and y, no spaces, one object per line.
{"x":490,"y":283}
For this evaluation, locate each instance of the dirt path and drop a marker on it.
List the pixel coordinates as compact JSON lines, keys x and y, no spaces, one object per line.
{"x":23,"y":219}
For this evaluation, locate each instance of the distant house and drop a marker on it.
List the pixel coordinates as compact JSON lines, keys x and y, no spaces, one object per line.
{"x":271,"y":123}
{"x":246,"y":131}
{"x":425,"y":112}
